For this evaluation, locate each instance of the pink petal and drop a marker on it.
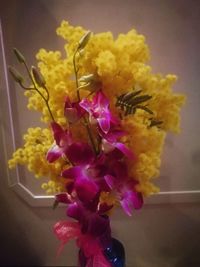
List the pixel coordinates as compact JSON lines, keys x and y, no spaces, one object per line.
{"x":57,"y":131}
{"x":63,"y":198}
{"x":131,"y":199}
{"x":68,"y":103}
{"x":126,"y":151}
{"x":86,"y":189}
{"x":74,"y":211}
{"x":137,"y":200}
{"x":80,"y":153}
{"x":110,"y":180}
{"x":72,"y":172}
{"x":54,"y":153}
{"x":126,"y":206}
{"x":104,"y":207}
{"x":104,"y":123}
{"x":73,"y":111}
{"x":101,"y":100}
{"x":86,"y":104}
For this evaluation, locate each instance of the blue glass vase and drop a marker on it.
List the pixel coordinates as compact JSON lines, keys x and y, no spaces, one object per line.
{"x":115,"y":254}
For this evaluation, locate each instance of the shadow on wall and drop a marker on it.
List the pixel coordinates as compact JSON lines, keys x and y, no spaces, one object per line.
{"x":184,"y":247}
{"x":15,"y":249}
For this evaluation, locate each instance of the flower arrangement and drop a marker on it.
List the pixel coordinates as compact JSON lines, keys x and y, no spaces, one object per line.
{"x":106,"y":116}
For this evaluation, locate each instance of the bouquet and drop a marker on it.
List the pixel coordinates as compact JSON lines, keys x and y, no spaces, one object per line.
{"x":105,"y":117}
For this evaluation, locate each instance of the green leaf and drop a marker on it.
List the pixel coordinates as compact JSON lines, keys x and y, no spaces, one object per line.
{"x":145,"y":108}
{"x":139,"y":99}
{"x":155,"y":122}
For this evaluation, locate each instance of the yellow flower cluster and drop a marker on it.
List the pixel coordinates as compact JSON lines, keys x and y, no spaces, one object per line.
{"x":33,"y":155}
{"x":120,"y":66}
{"x":147,"y":143}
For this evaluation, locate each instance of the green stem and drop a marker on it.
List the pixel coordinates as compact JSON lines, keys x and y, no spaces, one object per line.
{"x":86,"y":122}
{"x":46,"y":100}
{"x":76,"y":74}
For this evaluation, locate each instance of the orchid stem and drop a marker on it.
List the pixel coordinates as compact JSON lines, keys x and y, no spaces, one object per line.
{"x":86,"y":122}
{"x":38,"y":91}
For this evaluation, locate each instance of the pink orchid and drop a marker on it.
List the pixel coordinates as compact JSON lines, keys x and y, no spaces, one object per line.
{"x":73,"y":111}
{"x":62,"y":141}
{"x":87,"y":173}
{"x":124,"y":188}
{"x":84,"y":172}
{"x":98,"y":110}
{"x":110,"y":142}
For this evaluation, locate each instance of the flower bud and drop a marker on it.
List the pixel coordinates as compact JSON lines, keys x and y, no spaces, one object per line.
{"x":38,"y":77}
{"x":84,"y":40}
{"x":15,"y":74}
{"x":19,"y":56}
{"x":87,"y":78}
{"x":90,"y":83}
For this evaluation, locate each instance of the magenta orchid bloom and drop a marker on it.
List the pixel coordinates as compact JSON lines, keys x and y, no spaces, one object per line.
{"x":91,"y":218}
{"x":124,"y":187}
{"x":98,"y":110}
{"x":109,"y":143}
{"x":73,"y":111}
{"x":62,"y":141}
{"x":84,"y":172}
{"x":129,"y":197}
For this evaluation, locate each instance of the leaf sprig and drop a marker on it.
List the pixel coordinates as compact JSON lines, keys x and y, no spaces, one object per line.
{"x":131,"y":101}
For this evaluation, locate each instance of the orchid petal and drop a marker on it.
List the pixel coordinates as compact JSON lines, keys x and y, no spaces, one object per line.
{"x":73,"y":111}
{"x":74,"y":211}
{"x":57,"y":132}
{"x":110,"y":180}
{"x":80,"y":153}
{"x":137,"y":200}
{"x":54,"y":153}
{"x":86,"y":104}
{"x":126,"y":206}
{"x":63,"y":198}
{"x":104,"y":207}
{"x":72,"y":172}
{"x":101,"y":100}
{"x":131,"y":198}
{"x":86,"y":189}
{"x":104,"y":123}
{"x":126,"y":151}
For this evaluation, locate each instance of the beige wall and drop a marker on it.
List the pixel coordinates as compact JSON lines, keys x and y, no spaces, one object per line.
{"x":165,"y":235}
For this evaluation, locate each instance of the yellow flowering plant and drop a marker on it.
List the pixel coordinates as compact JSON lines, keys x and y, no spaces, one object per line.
{"x":106,"y":115}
